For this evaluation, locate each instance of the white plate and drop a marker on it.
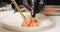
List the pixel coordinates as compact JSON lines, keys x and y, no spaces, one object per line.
{"x":6,"y":13}
{"x":13,"y":22}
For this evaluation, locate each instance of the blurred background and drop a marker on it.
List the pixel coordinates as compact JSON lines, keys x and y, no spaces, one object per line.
{"x":6,"y":3}
{"x":47,"y":2}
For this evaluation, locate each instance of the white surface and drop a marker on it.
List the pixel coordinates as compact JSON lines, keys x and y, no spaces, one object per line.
{"x":6,"y":13}
{"x":54,"y":29}
{"x":57,"y":26}
{"x":13,"y":22}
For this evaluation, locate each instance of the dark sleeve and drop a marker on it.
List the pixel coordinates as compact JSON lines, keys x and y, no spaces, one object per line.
{"x":57,"y":2}
{"x":19,"y":2}
{"x":52,"y":2}
{"x":5,"y":1}
{"x":49,"y":2}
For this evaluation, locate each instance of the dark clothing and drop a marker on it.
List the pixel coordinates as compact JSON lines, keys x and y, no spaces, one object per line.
{"x":48,"y":2}
{"x":52,"y":2}
{"x":9,"y":2}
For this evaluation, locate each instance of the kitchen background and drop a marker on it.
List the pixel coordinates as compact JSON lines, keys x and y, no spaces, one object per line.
{"x":47,"y":2}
